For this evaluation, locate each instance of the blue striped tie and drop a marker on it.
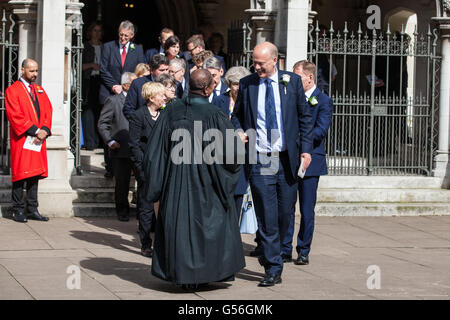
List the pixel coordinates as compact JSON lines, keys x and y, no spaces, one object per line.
{"x":271,"y":114}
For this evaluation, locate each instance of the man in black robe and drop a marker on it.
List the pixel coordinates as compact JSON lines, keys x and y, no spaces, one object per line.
{"x":197,"y":237}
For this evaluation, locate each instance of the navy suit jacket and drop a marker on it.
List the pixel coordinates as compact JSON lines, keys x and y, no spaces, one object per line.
{"x":296,"y":117}
{"x":111,"y":66}
{"x":150,"y":53}
{"x":134,"y":98}
{"x":223,"y":102}
{"x":321,"y":114}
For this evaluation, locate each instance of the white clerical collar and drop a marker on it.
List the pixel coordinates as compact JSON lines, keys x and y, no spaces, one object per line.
{"x":310,"y":92}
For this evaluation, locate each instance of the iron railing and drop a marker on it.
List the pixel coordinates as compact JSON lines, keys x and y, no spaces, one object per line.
{"x":239,"y":44}
{"x":9,"y":73}
{"x":384,"y":86}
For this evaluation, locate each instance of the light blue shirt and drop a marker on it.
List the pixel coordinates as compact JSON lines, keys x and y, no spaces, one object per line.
{"x":278,"y":144}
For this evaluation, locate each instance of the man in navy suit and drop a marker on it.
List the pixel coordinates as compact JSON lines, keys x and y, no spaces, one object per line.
{"x":118,"y":56}
{"x":177,"y":69}
{"x":163,"y":36}
{"x":159,"y":64}
{"x":271,"y":107}
{"x":214,"y":66}
{"x":321,"y":107}
{"x":195,"y":45}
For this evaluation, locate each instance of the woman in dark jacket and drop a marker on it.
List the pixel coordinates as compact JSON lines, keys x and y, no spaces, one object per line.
{"x":226,"y":102}
{"x":141,"y":124}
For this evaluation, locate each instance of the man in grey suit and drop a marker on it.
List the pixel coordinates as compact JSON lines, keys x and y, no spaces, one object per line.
{"x":113,"y":128}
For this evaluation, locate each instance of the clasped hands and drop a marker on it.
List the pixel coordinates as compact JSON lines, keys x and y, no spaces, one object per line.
{"x":40,"y":136}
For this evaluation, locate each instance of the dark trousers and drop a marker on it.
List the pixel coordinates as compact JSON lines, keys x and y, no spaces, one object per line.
{"x":32,"y":194}
{"x":91,"y":113}
{"x":90,"y":135}
{"x":147,"y":219}
{"x":307,"y":194}
{"x":122,"y":175}
{"x":274,"y":199}
{"x":238,"y":198}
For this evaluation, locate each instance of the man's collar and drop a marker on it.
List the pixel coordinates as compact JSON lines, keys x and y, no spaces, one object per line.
{"x":310,"y":91}
{"x":127,"y":45}
{"x":273,"y":77}
{"x":25,"y":82}
{"x":219,"y":86}
{"x":161,"y":49}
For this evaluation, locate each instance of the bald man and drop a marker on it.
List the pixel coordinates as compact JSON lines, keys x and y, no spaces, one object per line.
{"x":271,"y":104}
{"x":29,"y":112}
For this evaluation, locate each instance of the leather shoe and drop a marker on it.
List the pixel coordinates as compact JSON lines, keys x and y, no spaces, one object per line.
{"x":302,"y":260}
{"x":37,"y":216}
{"x":286,"y":258}
{"x":147,"y":252}
{"x":270,"y":280}
{"x":257,"y":252}
{"x":19,"y":217}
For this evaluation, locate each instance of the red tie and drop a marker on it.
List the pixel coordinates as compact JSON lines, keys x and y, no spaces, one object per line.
{"x":124,"y":54}
{"x":33,"y":96}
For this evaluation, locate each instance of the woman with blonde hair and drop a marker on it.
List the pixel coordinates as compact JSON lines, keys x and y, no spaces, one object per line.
{"x":141,"y":124}
{"x":142,"y":69}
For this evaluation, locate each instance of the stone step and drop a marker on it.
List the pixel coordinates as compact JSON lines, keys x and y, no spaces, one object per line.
{"x":5,"y":182}
{"x":94,"y":180}
{"x":98,"y":210}
{"x":383,"y":196}
{"x":379,"y":182}
{"x":96,"y":195}
{"x":92,"y":160}
{"x":381,"y":209}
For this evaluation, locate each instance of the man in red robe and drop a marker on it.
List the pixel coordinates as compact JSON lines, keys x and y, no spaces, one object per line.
{"x":29,"y":112}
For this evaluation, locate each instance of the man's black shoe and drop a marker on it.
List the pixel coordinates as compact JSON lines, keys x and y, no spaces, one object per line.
{"x":286,"y":258}
{"x":123,"y":218}
{"x":147,"y":252}
{"x":19,"y":217}
{"x":108,"y":175}
{"x":257,"y":252}
{"x":270,"y":280}
{"x":37,"y":216}
{"x":302,"y":260}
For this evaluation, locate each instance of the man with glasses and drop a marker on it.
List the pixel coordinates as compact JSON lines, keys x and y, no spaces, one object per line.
{"x":177,"y":69}
{"x":195,"y":45}
{"x":118,"y":56}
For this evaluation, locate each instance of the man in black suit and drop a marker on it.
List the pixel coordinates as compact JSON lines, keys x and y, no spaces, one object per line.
{"x":177,"y":69}
{"x":113,"y":128}
{"x":159,"y":64}
{"x":165,"y":34}
{"x":118,"y":56}
{"x":271,"y":107}
{"x":214,"y":66}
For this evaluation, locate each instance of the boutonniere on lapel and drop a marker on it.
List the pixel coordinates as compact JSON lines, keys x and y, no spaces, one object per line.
{"x":162,"y":107}
{"x":39,"y":89}
{"x":285,"y":78}
{"x":313,"y":100}
{"x":132,"y":46}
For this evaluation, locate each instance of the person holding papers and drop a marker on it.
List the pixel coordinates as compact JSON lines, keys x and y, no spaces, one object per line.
{"x":29,"y":112}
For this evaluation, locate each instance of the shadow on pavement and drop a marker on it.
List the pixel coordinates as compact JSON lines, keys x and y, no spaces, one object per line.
{"x":248,"y":275}
{"x":107,"y":239}
{"x":140,"y":274}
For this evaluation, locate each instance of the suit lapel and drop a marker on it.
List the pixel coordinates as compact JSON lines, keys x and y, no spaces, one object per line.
{"x":116,"y":52}
{"x":253,"y":91}
{"x":283,"y":96}
{"x":130,"y":55}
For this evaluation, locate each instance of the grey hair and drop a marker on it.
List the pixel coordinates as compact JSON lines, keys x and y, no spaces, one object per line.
{"x":127,"y":77}
{"x":180,"y":63}
{"x":235,"y":74}
{"x":127,"y":25}
{"x":213,"y":63}
{"x":166,"y":79}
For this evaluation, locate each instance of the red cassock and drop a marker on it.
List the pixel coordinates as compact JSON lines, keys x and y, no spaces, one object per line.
{"x":22,"y":115}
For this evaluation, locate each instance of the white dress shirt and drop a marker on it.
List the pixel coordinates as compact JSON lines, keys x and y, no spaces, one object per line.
{"x":127,"y":47}
{"x":217,"y":90}
{"x":310,"y":92}
{"x":278,"y":143}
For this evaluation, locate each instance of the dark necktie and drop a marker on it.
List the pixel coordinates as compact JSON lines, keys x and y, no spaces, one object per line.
{"x":33,"y":96}
{"x":124,"y":54}
{"x":271,"y":114}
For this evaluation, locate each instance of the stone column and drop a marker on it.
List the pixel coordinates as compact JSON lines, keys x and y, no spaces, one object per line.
{"x":263,"y":14}
{"x":441,"y":160}
{"x":26,"y":11}
{"x":297,"y":31}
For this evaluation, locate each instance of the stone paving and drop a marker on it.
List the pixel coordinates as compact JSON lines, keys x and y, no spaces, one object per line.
{"x":412,"y":254}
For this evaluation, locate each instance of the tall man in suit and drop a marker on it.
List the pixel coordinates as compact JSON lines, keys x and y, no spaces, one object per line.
{"x":29,"y":112}
{"x":159,"y":64}
{"x":165,"y":34}
{"x":321,"y":107}
{"x":272,"y":104}
{"x":113,"y":128}
{"x":214,"y":66}
{"x":118,"y":56}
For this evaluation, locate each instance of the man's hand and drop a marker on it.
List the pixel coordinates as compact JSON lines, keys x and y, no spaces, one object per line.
{"x":117,"y":89}
{"x":307,"y":160}
{"x":41,"y":135}
{"x":37,"y":141}
{"x":95,"y":66}
{"x":115,"y":146}
{"x":243,"y":136}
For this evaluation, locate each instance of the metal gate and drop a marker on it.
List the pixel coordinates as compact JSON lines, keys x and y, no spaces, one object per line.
{"x":9,"y":73}
{"x":239,"y":44}
{"x":384,"y":86}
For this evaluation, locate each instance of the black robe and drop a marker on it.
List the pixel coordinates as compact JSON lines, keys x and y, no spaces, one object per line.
{"x":197,"y":238}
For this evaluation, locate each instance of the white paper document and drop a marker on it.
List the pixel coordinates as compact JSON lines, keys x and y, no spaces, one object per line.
{"x":300,"y":172}
{"x":32,"y":146}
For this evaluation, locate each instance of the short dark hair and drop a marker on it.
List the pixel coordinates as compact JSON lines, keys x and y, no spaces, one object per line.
{"x":171,"y":41}
{"x":157,"y":60}
{"x":196,"y":40}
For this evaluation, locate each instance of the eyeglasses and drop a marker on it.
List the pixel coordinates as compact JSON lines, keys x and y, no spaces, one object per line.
{"x":190,"y":51}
